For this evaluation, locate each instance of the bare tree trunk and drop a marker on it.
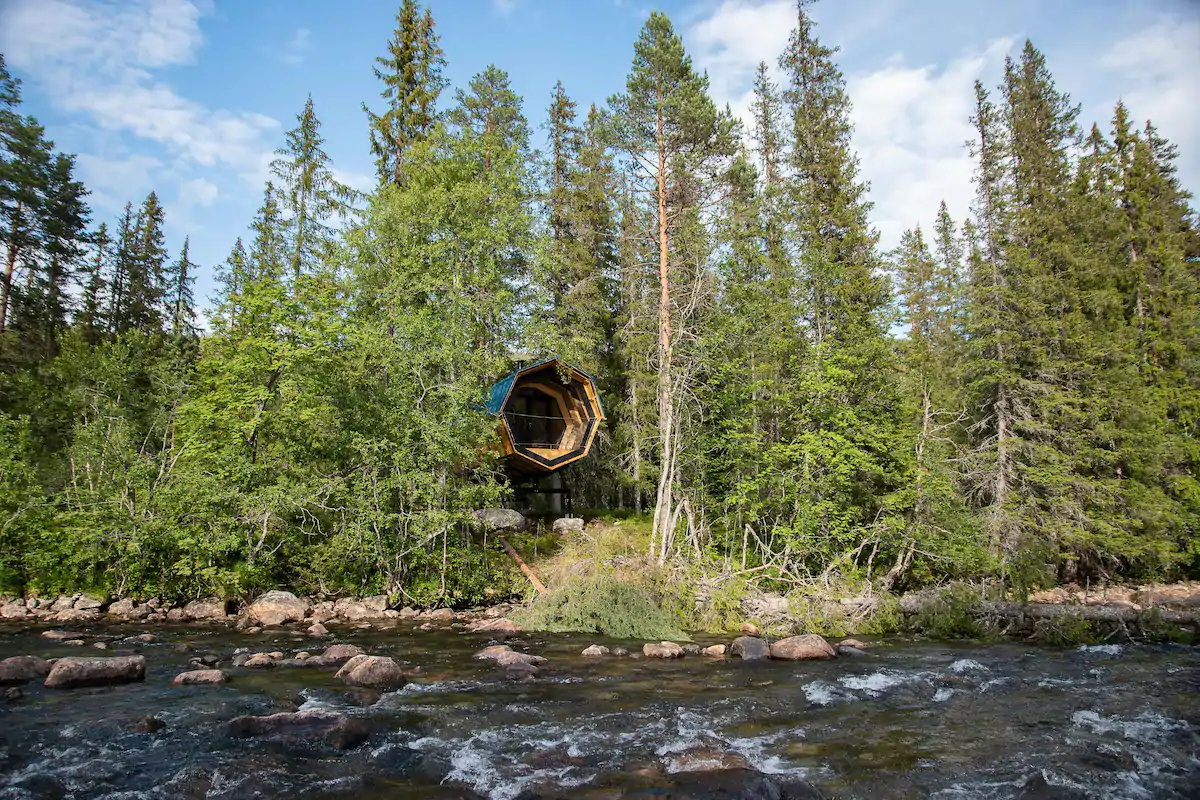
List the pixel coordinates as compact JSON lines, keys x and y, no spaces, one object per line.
{"x":9,"y":266}
{"x":666,"y":410}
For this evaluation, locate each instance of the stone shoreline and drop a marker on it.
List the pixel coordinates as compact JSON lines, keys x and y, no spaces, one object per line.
{"x":273,"y":609}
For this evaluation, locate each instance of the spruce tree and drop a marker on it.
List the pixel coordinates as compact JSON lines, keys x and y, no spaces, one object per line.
{"x":842,"y":450}
{"x":310,"y":194}
{"x":411,"y":74}
{"x":180,"y":305}
{"x":489,"y":111}
{"x":143,"y":285}
{"x":92,"y":313}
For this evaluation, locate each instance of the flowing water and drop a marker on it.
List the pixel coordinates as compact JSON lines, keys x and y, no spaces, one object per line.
{"x":910,"y":720}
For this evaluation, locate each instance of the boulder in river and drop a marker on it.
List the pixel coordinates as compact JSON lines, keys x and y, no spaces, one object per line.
{"x":199,"y":677}
{"x":276,"y":608}
{"x":75,"y":615}
{"x":71,"y":673}
{"x":510,"y":657}
{"x":208,"y":608}
{"x":317,"y":629}
{"x":441,"y":614}
{"x":302,"y":727}
{"x":716,"y":650}
{"x":662,"y":650}
{"x":60,"y":636}
{"x":64,"y":602}
{"x":376,"y":672}
{"x":341,"y":652}
{"x":595,"y":651}
{"x":851,"y":652}
{"x":20,"y":669}
{"x":148,"y":725}
{"x":501,"y":625}
{"x":853,"y":643}
{"x":750,"y":648}
{"x":750,"y":629}
{"x":263,"y":660}
{"x":492,"y":652}
{"x":802,"y":648}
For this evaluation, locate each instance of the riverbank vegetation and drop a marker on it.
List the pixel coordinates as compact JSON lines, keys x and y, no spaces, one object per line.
{"x":1013,"y":396}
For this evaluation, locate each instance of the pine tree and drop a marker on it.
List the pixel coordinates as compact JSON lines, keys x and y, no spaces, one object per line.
{"x":122,"y":264}
{"x":24,"y":173}
{"x":411,"y":74}
{"x":310,"y":193}
{"x":671,"y":133}
{"x":489,"y":111}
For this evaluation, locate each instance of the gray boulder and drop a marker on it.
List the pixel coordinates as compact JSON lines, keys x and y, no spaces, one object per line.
{"x":21,"y":669}
{"x":750,"y":648}
{"x":302,"y":727}
{"x":71,"y":673}
{"x":564,"y":525}
{"x":662,"y":650}
{"x":376,"y":672}
{"x":500,"y":519}
{"x":208,"y":608}
{"x":126,"y":608}
{"x":199,"y":677}
{"x":14,"y":609}
{"x":277,"y":608}
{"x":89,"y":602}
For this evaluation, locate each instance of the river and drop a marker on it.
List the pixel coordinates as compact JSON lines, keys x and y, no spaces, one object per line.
{"x":913,"y":719}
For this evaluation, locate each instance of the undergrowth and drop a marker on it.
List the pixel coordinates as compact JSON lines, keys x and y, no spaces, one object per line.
{"x":604,"y":605}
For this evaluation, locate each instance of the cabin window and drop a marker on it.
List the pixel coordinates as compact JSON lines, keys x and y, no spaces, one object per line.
{"x":535,"y":419}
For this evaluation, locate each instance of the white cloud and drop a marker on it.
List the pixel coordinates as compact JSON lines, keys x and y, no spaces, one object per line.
{"x":910,"y":126}
{"x":96,"y":59}
{"x":911,"y":122}
{"x":505,"y":7}
{"x":1155,"y":70}
{"x":197,"y":192}
{"x":114,"y":180}
{"x":293,"y":52}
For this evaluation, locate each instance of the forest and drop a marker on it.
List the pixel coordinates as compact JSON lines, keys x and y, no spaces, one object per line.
{"x":1013,"y":396}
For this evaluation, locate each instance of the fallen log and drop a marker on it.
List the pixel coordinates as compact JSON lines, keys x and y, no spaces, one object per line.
{"x":1013,"y":610}
{"x":525,"y":568}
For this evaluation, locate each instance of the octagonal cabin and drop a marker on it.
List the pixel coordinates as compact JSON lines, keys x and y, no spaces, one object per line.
{"x":548,"y":413}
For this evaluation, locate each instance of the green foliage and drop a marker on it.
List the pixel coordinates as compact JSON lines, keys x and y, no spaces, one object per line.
{"x":1066,"y":630}
{"x":601,"y":605}
{"x":951,"y":614}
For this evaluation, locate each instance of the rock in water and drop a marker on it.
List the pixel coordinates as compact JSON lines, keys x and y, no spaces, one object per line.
{"x":209,"y":608}
{"x":502,"y":625}
{"x":492,"y":652}
{"x":853,"y":643}
{"x":317,"y":629}
{"x":71,"y":673}
{"x":376,"y":672}
{"x":277,"y":608}
{"x":750,"y":629}
{"x":302,"y":727}
{"x":500,"y":519}
{"x":595,"y":651}
{"x":716,"y":650}
{"x":354,"y":610}
{"x":20,"y":669}
{"x":802,"y":648}
{"x":341,"y":652}
{"x":750,"y":648}
{"x":564,"y":525}
{"x":148,"y":725}
{"x":662,"y":650}
{"x":509,"y":658}
{"x":199,"y":677}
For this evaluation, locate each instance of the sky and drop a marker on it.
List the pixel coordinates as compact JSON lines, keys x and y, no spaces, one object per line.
{"x":189,"y":98}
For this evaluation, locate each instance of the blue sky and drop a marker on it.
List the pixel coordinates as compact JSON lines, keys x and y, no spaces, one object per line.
{"x":190,"y":97}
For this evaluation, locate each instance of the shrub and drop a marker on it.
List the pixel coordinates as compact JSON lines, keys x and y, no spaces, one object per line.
{"x":601,"y":605}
